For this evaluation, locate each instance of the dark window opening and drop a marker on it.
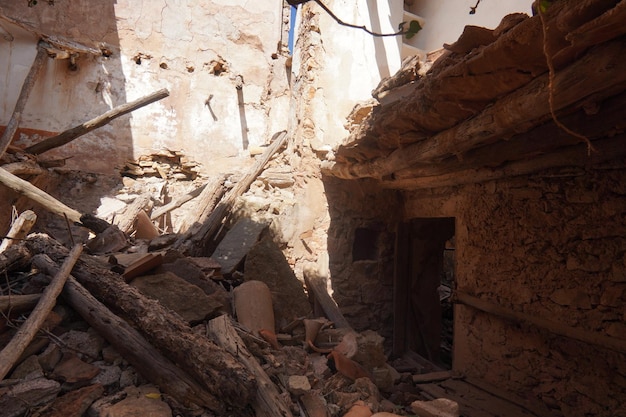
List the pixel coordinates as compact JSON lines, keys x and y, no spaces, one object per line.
{"x":365,"y":245}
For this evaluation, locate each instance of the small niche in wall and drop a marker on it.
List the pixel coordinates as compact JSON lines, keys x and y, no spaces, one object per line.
{"x":365,"y":245}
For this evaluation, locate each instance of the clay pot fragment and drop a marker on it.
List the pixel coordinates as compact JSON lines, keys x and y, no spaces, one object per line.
{"x":348,"y":367}
{"x":253,"y":306}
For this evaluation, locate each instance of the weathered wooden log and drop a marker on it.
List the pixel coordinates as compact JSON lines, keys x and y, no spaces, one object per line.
{"x":133,"y":347}
{"x":267,"y":401}
{"x":177,"y":202}
{"x":14,"y":258}
{"x":577,"y":155}
{"x":19,"y":229}
{"x":18,"y":302}
{"x":29,"y":328}
{"x":198,"y":241}
{"x":27,"y":189}
{"x":216,"y":370}
{"x":29,"y":82}
{"x":77,"y":131}
{"x":605,"y":75}
{"x":205,"y":204}
{"x":577,"y":333}
{"x":316,"y":284}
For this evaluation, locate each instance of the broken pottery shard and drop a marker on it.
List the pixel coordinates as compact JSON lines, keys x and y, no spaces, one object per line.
{"x":253,"y":306}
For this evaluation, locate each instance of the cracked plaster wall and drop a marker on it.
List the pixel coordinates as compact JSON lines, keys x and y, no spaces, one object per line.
{"x":156,"y":44}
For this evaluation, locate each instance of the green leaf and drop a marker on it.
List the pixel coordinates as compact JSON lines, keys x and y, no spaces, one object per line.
{"x":414,"y":27}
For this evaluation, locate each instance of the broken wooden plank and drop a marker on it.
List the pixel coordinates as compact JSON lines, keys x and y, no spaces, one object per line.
{"x":219,"y":372}
{"x":30,"y":327}
{"x":559,"y":328}
{"x":19,"y":229}
{"x":29,"y":82}
{"x":126,"y":221}
{"x":316,"y":284}
{"x":27,"y":189}
{"x":77,"y":131}
{"x":18,"y":302}
{"x":177,"y":202}
{"x":199,"y":240}
{"x":432,"y":377}
{"x":142,"y":265}
{"x":267,"y":401}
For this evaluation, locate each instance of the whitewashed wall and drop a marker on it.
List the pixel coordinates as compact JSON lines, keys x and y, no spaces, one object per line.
{"x":178,"y":43}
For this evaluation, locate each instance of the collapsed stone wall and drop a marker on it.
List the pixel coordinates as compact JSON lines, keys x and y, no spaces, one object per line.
{"x":553,"y":247}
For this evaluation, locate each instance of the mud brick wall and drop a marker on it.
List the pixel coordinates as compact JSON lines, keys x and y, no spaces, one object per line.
{"x":553,"y":247}
{"x":362,"y":226}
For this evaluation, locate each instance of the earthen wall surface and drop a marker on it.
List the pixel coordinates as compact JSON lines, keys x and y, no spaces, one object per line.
{"x":553,"y":247}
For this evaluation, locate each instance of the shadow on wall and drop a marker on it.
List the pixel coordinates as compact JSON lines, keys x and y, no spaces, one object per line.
{"x":361,"y":241}
{"x":67,"y":92}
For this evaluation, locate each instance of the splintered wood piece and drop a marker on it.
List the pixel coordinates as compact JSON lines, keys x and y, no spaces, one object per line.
{"x":141,"y":266}
{"x":267,"y":401}
{"x":19,"y":229}
{"x":75,"y":132}
{"x":30,"y":191}
{"x":25,"y":334}
{"x":177,"y":202}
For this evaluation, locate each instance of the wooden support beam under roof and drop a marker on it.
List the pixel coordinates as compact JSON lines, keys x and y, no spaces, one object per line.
{"x":400,"y":144}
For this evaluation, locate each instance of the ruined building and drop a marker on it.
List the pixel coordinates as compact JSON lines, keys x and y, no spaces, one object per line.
{"x":461,"y":191}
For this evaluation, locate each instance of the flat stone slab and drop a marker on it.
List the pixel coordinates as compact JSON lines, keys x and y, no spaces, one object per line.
{"x":237,"y":243}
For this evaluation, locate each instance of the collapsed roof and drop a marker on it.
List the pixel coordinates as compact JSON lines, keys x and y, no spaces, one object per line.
{"x":534,"y":93}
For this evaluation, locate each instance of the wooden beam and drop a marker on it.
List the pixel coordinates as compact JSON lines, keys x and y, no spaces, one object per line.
{"x":316,"y":284}
{"x":105,"y":118}
{"x":198,"y":242}
{"x":27,"y":189}
{"x":578,"y":155}
{"x":559,"y":328}
{"x":546,"y":138}
{"x":18,"y":302}
{"x":604,"y":75}
{"x":266,"y":401}
{"x":29,"y":82}
{"x":14,"y":349}
{"x":216,"y":370}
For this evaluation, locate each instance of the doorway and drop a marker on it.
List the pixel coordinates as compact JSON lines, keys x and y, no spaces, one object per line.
{"x":423,"y":281}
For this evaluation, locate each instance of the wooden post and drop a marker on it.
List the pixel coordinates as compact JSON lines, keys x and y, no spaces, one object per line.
{"x":27,"y":331}
{"x":75,"y":132}
{"x":29,"y":82}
